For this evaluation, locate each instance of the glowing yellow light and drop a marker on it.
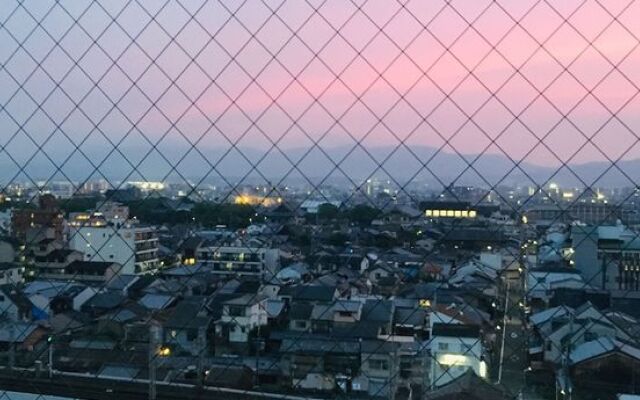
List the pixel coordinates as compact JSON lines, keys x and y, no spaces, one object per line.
{"x":164,"y":352}
{"x":452,"y":359}
{"x":483,"y":369}
{"x":424,"y":303}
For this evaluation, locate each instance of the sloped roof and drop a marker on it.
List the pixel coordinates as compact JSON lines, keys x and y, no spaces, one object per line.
{"x":469,"y":386}
{"x":600,"y":347}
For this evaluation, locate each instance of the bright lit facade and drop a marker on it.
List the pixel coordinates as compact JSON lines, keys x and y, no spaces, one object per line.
{"x":455,"y":348}
{"x":105,"y":243}
{"x":133,"y":247}
{"x":451,"y":213}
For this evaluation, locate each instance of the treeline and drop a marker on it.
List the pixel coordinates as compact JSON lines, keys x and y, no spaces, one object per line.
{"x":158,"y":210}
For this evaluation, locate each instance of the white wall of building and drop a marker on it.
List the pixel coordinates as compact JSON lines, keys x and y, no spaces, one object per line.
{"x":453,"y":356}
{"x":105,"y":243}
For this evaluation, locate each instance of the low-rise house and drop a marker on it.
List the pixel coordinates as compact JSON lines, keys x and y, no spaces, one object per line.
{"x":541,"y":283}
{"x":300,"y":317}
{"x":383,"y":270}
{"x":11,"y":273}
{"x":72,"y":297}
{"x":455,"y":348}
{"x":24,"y":336}
{"x":314,"y":294}
{"x":324,"y":317}
{"x":103,"y":302}
{"x":157,"y":301}
{"x":7,"y":250}
{"x":469,"y":386}
{"x":14,"y":304}
{"x":378,"y":369}
{"x":558,"y":329}
{"x":605,"y":359}
{"x":240,"y":315}
{"x":188,"y":328}
{"x":55,"y":261}
{"x":93,"y":272}
{"x":318,"y":362}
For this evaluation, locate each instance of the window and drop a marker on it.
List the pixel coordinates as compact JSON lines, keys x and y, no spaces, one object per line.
{"x":443,"y":346}
{"x":465,"y":348}
{"x":236,"y":311}
{"x":381,"y":365}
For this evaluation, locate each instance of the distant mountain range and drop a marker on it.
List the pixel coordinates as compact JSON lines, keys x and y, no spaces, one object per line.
{"x":400,"y":164}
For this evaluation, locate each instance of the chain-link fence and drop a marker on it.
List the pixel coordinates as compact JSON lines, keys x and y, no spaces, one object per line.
{"x":319,"y":199}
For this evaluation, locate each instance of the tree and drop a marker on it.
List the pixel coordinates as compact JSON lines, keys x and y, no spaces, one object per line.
{"x":363,"y":214}
{"x":327,"y":212}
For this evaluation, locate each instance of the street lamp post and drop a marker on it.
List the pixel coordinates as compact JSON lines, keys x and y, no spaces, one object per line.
{"x":50,"y":340}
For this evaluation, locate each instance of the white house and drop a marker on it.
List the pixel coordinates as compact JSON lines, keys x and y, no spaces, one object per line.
{"x":11,"y":273}
{"x":241,"y":315}
{"x":455,"y":348}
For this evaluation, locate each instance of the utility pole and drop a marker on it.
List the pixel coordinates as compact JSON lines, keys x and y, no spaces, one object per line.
{"x":155,"y":333}
{"x":50,"y":339}
{"x":12,"y":347}
{"x":504,"y":333}
{"x":258,"y":344}
{"x":202,"y":343}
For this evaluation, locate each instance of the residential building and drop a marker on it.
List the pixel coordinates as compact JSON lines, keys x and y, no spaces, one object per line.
{"x":455,"y":348}
{"x":96,"y":272}
{"x":11,"y":273}
{"x":239,"y":260}
{"x":608,"y":257}
{"x":133,"y":246}
{"x":240,"y":315}
{"x":47,"y":216}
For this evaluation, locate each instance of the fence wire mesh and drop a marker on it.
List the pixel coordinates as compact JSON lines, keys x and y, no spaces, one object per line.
{"x":319,"y":199}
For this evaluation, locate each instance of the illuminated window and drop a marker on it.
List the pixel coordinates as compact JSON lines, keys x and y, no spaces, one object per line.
{"x":472,"y":214}
{"x":429,"y":213}
{"x":450,"y":213}
{"x":425,"y":303}
{"x":436,"y":213}
{"x":443,"y":213}
{"x":465,"y":214}
{"x":458,"y":214}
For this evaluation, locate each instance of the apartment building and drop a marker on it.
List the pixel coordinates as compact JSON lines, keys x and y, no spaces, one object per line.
{"x":239,"y":260}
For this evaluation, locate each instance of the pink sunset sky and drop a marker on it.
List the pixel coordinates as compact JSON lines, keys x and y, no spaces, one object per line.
{"x":332,"y":72}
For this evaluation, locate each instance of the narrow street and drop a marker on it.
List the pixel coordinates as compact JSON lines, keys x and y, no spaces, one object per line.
{"x":514,"y":358}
